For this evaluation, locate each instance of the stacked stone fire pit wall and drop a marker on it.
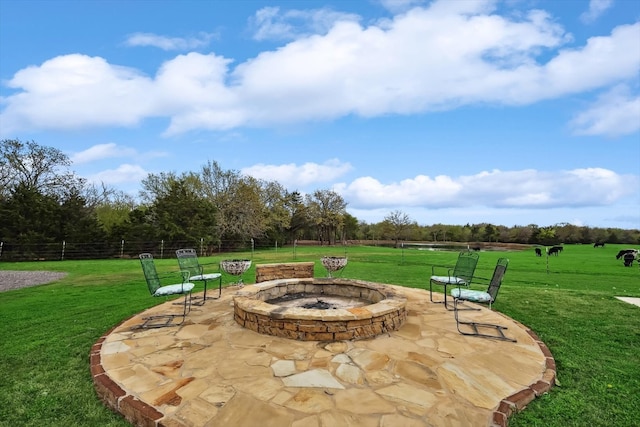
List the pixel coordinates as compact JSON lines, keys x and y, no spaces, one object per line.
{"x":286,"y":270}
{"x":386,"y":313}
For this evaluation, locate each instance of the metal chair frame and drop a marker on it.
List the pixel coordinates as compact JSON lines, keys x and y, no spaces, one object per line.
{"x":459,"y":275}
{"x":154,"y":284}
{"x":188,"y":260}
{"x":487,"y":297}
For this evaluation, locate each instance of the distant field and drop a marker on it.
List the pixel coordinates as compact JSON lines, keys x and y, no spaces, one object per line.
{"x":46,"y":331}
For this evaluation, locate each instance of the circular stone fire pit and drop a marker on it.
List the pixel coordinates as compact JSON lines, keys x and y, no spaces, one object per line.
{"x":341,"y":309}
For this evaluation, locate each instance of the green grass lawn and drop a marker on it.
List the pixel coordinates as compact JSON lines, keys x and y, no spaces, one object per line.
{"x":46,"y":331}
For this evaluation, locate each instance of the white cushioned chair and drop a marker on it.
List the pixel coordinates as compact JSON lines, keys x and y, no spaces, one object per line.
{"x":460,"y":295}
{"x":156,"y":289}
{"x":188,"y":260}
{"x":459,"y":275}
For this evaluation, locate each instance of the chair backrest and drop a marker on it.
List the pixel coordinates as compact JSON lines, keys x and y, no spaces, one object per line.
{"x":496,"y":279}
{"x":466,"y":265}
{"x":188,"y":260}
{"x":150,"y":272}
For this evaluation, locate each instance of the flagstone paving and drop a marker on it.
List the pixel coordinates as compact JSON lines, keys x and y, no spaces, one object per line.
{"x":212,"y":372}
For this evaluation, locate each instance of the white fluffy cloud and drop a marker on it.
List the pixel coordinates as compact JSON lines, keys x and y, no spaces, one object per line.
{"x":76,"y":91}
{"x":400,"y":5}
{"x":437,"y":57}
{"x":269,"y":23}
{"x":100,"y":152}
{"x":169,"y":43}
{"x":125,"y":173}
{"x":617,"y":112}
{"x":296,"y":177}
{"x":596,"y":8}
{"x":495,"y":189}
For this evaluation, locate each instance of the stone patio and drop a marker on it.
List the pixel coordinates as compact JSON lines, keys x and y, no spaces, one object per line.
{"x":210,"y":371}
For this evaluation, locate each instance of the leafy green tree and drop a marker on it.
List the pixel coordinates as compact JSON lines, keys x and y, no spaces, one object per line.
{"x":29,"y":216}
{"x":114,"y":211}
{"x":35,"y":167}
{"x":80,"y":229}
{"x":547,"y":236}
{"x":275,"y":212}
{"x":326,"y":210}
{"x":490,"y":233}
{"x":42,"y":201}
{"x":398,"y":225}
{"x":240,"y":212}
{"x":181,"y":215}
{"x":298,"y":218}
{"x":350,"y":227}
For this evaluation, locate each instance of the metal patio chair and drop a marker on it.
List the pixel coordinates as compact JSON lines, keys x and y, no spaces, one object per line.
{"x":157,"y":289}
{"x":460,"y":295}
{"x":188,"y":260}
{"x":459,"y":275}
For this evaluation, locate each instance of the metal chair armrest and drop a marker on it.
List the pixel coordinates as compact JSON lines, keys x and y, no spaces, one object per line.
{"x":185,"y":275}
{"x":448,"y":267}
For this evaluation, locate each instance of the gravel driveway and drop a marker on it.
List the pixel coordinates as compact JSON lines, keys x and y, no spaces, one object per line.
{"x":10,"y":279}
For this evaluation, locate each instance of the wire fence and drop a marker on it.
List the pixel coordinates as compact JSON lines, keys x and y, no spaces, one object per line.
{"x":67,"y":250}
{"x":126,"y":249}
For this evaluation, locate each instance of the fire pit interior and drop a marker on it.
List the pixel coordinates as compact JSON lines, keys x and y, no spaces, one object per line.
{"x":320,"y":309}
{"x":317,"y":301}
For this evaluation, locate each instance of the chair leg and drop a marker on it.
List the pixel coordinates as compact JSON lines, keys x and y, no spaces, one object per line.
{"x":499,"y":329}
{"x":203,"y":298}
{"x":164,"y":320}
{"x":446,"y":305}
{"x":431,"y":293}
{"x":219,"y":289}
{"x":187,"y":301}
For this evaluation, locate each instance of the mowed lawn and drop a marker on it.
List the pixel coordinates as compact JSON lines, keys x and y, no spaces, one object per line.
{"x":46,"y":331}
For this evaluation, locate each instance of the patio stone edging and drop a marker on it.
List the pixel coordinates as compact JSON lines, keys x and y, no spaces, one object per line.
{"x":114,"y":397}
{"x":519,"y":400}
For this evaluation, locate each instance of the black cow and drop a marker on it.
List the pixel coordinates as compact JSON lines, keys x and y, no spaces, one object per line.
{"x":629,"y":257}
{"x":538,"y":252}
{"x":595,"y":245}
{"x":626,"y":251}
{"x":555,"y":250}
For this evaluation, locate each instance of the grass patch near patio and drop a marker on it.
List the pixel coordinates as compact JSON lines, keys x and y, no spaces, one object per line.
{"x":46,"y":331}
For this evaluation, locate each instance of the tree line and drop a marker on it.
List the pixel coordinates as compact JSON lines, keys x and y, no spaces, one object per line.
{"x":42,"y":201}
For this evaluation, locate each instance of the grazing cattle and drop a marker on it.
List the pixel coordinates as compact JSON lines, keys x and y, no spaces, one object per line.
{"x":538,"y":252}
{"x":626,"y":251}
{"x":629,"y":257}
{"x":595,"y":245}
{"x":555,"y":250}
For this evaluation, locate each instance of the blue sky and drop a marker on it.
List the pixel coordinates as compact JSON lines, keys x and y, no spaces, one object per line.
{"x":510,"y":112}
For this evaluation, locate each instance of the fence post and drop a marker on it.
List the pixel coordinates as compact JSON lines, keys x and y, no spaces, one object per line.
{"x":162,"y":249}
{"x":201,"y":246}
{"x":1,"y":245}
{"x":122,"y":248}
{"x":64,"y":243}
